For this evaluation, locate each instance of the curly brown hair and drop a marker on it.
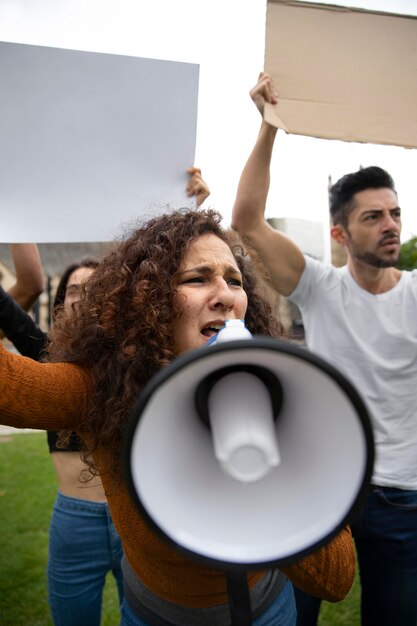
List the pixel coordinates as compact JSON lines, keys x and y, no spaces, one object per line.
{"x":121,"y":330}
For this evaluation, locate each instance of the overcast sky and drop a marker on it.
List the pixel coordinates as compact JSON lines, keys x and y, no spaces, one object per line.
{"x":226,"y":38}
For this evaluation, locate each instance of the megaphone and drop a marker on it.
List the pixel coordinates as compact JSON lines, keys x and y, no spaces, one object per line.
{"x":248,"y":454}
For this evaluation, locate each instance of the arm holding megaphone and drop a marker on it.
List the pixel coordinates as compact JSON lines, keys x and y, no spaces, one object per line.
{"x":328,"y":573}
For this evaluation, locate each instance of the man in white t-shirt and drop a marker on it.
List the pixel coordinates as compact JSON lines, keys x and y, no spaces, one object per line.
{"x":362,"y":318}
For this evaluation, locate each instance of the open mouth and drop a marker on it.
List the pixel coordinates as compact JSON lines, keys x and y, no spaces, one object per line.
{"x":211,"y":330}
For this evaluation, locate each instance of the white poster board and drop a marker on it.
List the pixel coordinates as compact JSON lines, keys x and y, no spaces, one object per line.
{"x":89,"y":141}
{"x":342,"y":73}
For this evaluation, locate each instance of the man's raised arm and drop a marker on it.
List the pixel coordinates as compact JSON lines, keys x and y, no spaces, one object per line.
{"x":283,"y":259}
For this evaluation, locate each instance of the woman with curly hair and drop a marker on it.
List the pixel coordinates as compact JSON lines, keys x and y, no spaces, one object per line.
{"x":157,"y":294}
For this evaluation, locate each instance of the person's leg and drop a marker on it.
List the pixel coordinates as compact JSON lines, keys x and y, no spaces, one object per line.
{"x":78,"y":561}
{"x":282,"y":611}
{"x":308,"y":608}
{"x":386,"y":541}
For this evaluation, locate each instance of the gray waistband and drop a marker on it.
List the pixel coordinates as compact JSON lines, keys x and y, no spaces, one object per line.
{"x":156,"y":611}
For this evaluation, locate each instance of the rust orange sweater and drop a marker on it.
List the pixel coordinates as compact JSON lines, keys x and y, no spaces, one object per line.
{"x":53,"y":396}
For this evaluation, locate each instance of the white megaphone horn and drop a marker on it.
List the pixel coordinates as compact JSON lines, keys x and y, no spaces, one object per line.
{"x":249,"y":453}
{"x":242,"y":424}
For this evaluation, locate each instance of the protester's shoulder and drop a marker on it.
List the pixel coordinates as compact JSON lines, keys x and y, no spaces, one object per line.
{"x":408,"y":283}
{"x":322,"y":270}
{"x":412,"y":274}
{"x":318,"y":278}
{"x":410,"y":277}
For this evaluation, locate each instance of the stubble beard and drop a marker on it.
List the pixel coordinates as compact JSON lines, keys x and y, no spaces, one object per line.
{"x":374,"y":260}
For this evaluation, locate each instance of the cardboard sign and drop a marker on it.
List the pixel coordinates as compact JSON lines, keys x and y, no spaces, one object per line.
{"x":342,"y":73}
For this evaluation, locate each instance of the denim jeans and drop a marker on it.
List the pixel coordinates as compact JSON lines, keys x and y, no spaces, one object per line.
{"x":280,"y":613}
{"x":385,"y":534}
{"x":83,"y":547}
{"x":308,"y":608}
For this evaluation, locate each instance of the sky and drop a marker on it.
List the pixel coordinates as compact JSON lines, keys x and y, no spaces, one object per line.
{"x":226,"y":38}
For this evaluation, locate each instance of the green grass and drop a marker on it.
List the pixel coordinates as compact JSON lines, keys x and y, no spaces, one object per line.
{"x":27,"y":493}
{"x":345,"y":613}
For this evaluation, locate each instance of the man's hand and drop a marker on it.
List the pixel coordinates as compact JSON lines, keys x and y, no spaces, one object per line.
{"x":264,"y":91}
{"x":196,"y":186}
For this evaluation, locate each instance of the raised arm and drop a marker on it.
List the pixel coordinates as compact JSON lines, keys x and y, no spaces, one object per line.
{"x":30,"y":280}
{"x":283,"y":259}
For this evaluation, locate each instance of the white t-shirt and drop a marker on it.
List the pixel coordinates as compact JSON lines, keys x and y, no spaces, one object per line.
{"x":372,"y":340}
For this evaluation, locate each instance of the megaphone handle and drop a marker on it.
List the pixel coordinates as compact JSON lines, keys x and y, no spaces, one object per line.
{"x":239,"y":600}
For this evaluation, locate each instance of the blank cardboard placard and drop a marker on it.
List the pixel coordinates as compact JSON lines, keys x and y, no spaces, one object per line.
{"x":90,"y":142}
{"x":342,"y":73}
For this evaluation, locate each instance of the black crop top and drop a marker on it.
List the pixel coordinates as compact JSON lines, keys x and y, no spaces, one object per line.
{"x":74,"y":443}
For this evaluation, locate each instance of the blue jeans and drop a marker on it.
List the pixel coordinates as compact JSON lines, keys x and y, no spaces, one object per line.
{"x":385,"y":533}
{"x":280,"y":613}
{"x":386,"y":541}
{"x":83,"y":547}
{"x":308,"y":608}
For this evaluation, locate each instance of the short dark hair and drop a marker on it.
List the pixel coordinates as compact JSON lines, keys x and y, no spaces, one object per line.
{"x":343,"y":191}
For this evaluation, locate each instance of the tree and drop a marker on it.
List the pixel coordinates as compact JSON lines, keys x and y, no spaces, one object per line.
{"x":408,"y":254}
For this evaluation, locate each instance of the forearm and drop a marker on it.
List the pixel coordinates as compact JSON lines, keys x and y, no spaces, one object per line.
{"x":328,"y":573}
{"x":49,"y":396}
{"x":30,"y":280}
{"x":252,"y":192}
